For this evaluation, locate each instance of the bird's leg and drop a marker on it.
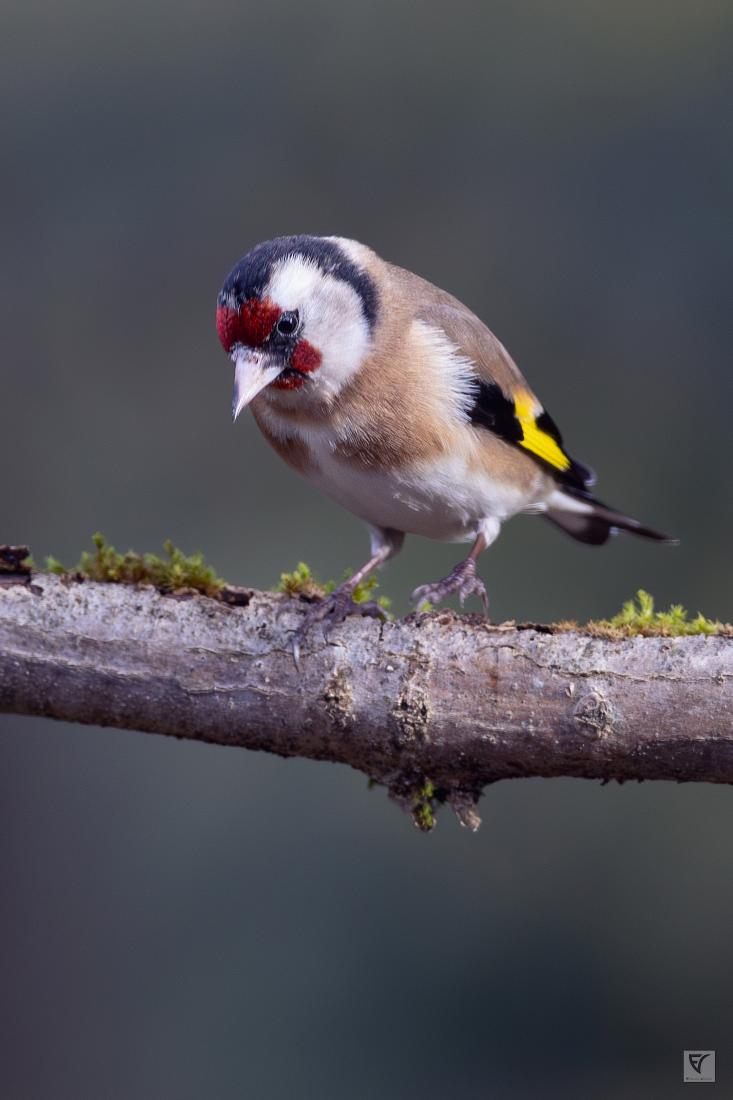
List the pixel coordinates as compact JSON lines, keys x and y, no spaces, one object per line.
{"x":335,"y":607}
{"x":462,"y":580}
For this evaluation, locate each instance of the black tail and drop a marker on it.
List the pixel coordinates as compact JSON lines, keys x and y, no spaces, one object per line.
{"x":586,"y":519}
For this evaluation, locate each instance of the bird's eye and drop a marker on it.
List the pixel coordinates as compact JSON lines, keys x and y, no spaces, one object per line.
{"x":287,"y":323}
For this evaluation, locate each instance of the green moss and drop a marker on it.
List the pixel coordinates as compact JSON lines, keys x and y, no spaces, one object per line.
{"x":639,"y":617}
{"x":301,"y":582}
{"x":174,"y":571}
{"x":423,"y":806}
{"x":365,"y":591}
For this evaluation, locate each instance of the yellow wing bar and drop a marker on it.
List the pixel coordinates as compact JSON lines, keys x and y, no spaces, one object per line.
{"x":536,"y":439}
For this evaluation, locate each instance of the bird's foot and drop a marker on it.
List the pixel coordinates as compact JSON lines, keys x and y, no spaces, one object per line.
{"x":331,"y":610}
{"x":461,"y":580}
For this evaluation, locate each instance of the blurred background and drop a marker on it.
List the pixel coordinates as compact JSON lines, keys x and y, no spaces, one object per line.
{"x":186,"y":921}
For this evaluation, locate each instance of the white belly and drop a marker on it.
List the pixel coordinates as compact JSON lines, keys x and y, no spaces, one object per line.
{"x":443,"y":499}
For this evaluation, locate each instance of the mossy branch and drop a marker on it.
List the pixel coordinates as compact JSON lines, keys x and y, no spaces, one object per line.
{"x":182,"y":574}
{"x":433,"y":707}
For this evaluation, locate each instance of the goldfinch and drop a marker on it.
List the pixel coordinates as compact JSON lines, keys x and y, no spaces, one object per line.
{"x":394,"y":398}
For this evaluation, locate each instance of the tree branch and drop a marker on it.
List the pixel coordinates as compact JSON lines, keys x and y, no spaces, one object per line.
{"x":435,"y":706}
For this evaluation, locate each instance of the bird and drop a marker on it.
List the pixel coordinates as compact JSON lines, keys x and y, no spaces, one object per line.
{"x":398,"y":402}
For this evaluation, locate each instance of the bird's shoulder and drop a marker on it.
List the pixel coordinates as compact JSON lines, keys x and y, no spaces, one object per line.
{"x":430,"y":306}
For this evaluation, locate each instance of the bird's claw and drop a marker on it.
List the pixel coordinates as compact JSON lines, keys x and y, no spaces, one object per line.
{"x":329,"y":612}
{"x":462,"y":580}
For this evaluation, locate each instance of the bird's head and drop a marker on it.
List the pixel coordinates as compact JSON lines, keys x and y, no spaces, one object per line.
{"x":296,"y":316}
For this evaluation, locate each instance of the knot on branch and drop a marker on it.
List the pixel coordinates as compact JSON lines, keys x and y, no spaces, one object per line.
{"x":593,"y":713}
{"x":411,"y":710}
{"x":338,"y":699}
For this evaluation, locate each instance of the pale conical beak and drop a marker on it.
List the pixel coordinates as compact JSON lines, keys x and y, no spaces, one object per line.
{"x":253,"y":370}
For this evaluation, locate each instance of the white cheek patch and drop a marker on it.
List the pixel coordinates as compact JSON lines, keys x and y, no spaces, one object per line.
{"x":332,"y":315}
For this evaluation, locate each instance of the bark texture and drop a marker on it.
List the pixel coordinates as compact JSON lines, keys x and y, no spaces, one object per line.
{"x":435,"y":706}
